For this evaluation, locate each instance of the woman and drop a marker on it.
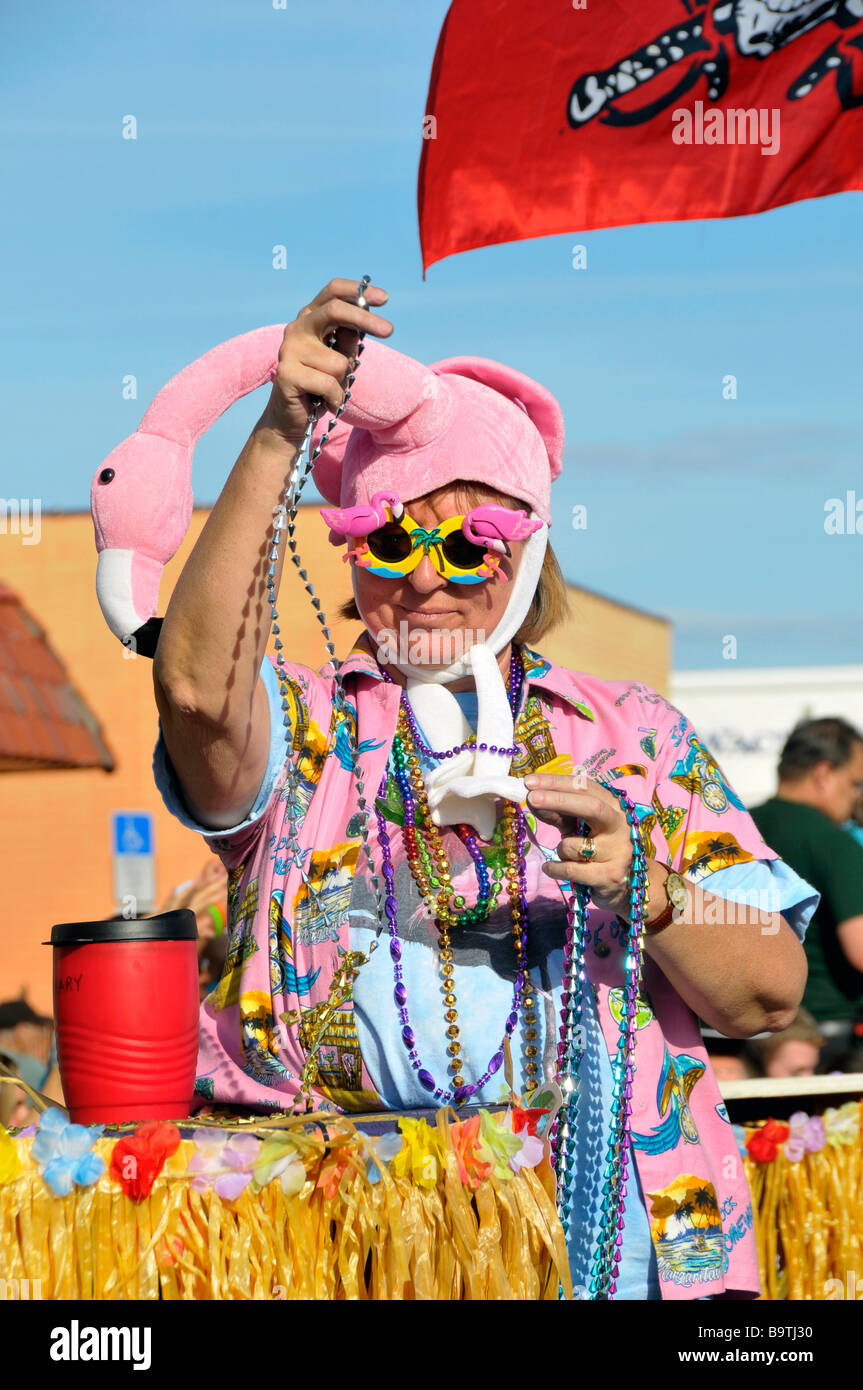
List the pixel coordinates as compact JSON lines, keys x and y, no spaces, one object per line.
{"x":441,"y":486}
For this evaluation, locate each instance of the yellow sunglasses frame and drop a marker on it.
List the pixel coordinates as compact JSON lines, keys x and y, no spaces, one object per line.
{"x":431,"y":545}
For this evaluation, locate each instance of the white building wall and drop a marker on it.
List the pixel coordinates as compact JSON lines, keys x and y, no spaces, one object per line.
{"x":744,"y":716}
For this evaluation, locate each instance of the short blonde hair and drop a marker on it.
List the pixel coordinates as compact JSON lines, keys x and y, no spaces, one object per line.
{"x":549,"y":606}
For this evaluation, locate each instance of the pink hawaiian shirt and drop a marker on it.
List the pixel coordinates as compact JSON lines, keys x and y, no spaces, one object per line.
{"x":287,"y":936}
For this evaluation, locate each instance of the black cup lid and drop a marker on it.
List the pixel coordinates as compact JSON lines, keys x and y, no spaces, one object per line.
{"x":164,"y":926}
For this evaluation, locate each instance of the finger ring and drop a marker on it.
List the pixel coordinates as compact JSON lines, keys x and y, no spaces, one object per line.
{"x":362,"y":302}
{"x":588,"y":849}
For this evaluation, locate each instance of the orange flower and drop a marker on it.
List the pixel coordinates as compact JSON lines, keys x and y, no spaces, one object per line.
{"x":331,"y":1174}
{"x":472,"y":1170}
{"x":165,"y":1257}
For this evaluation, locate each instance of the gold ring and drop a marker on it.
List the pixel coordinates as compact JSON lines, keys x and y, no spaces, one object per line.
{"x":588,"y":849}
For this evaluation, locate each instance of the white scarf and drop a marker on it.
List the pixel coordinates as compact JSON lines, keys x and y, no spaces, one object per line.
{"x":466,"y":787}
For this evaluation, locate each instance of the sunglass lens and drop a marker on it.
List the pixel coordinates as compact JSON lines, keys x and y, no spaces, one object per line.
{"x":390,"y":543}
{"x":461,"y":552}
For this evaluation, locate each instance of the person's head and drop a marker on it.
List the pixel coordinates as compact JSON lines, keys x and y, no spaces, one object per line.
{"x":440,"y":617}
{"x":843,"y":1059}
{"x":23,"y":1030}
{"x":822,"y":766}
{"x":731,"y":1066}
{"x":418,"y":446}
{"x":792,"y":1052}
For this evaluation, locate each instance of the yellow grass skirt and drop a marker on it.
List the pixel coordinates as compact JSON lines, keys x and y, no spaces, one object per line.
{"x":809,"y":1215}
{"x":351,"y":1238}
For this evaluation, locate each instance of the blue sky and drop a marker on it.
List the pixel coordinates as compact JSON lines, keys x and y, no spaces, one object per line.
{"x":301,"y":127}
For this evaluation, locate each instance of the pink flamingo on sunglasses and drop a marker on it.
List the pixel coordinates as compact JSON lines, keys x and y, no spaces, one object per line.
{"x":362,"y":519}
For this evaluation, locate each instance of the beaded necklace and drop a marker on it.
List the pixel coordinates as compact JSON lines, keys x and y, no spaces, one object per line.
{"x":284,"y":520}
{"x":425,"y":852}
{"x":570,"y":1049}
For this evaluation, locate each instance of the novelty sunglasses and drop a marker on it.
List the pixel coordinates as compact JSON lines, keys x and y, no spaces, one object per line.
{"x":464,"y":549}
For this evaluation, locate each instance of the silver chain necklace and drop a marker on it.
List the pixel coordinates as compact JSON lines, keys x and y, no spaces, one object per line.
{"x":285,"y":520}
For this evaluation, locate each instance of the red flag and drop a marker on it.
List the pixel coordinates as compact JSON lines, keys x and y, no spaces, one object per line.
{"x":567,"y":115}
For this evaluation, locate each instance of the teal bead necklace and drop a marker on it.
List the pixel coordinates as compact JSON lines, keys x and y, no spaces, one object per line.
{"x":570,"y":1049}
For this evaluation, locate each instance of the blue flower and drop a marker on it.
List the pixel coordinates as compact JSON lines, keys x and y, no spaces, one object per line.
{"x":386,"y":1148}
{"x":64,"y":1152}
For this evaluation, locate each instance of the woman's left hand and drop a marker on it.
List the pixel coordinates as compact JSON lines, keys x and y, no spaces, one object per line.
{"x":559,"y":800}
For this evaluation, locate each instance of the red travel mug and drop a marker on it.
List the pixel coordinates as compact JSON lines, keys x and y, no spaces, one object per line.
{"x":126,"y":1017}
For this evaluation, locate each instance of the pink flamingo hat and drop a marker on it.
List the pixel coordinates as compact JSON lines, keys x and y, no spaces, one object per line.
{"x":407,"y":428}
{"x":410,"y":429}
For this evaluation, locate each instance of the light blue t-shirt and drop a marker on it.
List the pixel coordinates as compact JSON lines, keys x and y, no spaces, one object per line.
{"x":484,"y":980}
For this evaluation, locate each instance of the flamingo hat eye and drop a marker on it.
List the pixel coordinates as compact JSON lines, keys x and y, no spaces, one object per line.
{"x":106,"y":476}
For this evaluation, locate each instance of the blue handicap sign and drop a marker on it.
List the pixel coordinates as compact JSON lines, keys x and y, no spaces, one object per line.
{"x":133,"y":832}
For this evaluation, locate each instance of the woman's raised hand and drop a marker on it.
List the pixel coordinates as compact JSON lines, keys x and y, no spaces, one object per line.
{"x":308,"y":368}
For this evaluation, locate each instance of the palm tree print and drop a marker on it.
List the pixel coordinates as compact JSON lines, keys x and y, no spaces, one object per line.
{"x":684,"y":1213}
{"x":713,"y":852}
{"x":705,"y":1200}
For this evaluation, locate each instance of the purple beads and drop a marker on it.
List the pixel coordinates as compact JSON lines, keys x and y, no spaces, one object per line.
{"x":463,"y":1093}
{"x":516,"y":681}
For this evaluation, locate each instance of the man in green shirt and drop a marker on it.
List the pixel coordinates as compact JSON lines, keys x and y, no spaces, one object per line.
{"x":820,"y":779}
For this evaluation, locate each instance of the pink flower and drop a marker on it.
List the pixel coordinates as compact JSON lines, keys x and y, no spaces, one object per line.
{"x":814,"y":1135}
{"x":226,"y":1165}
{"x":795,"y":1148}
{"x":530,"y":1154}
{"x":807,"y":1136}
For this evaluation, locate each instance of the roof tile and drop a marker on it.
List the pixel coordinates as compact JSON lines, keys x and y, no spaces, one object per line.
{"x":44,"y":722}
